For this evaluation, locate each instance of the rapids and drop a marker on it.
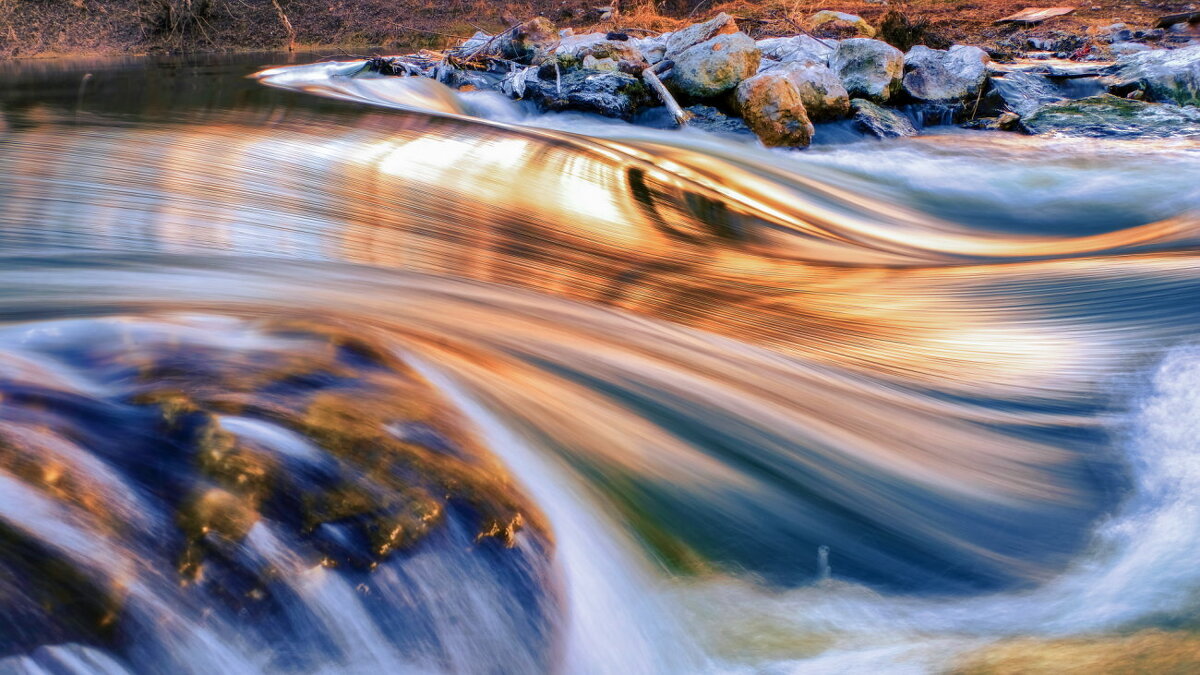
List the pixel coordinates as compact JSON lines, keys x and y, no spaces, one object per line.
{"x":362,"y":374}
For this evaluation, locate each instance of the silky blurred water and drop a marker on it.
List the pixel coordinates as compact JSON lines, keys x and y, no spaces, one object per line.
{"x":343,"y":374}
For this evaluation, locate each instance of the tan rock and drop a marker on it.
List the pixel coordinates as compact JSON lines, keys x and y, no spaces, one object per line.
{"x":771,"y":106}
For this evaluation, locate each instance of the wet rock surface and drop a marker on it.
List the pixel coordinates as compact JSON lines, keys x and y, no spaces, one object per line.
{"x":604,"y":92}
{"x":1114,"y":117}
{"x":880,"y":122}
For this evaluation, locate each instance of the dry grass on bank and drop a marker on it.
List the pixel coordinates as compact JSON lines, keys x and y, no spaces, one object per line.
{"x":32,"y":27}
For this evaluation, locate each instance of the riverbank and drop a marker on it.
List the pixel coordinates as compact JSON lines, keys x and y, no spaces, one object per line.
{"x":75,"y":27}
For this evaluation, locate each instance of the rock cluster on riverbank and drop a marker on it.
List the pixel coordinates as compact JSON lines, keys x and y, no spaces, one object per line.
{"x":782,"y":88}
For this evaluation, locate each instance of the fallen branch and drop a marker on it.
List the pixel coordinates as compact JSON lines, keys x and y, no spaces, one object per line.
{"x":680,"y":115}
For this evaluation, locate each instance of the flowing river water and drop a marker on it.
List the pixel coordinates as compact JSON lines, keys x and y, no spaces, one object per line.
{"x":317,"y":374}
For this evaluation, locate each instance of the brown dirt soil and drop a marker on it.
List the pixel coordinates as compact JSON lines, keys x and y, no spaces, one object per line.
{"x":55,"y":27}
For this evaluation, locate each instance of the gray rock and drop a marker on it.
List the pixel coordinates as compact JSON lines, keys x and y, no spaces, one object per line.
{"x":1114,"y":117}
{"x":1166,"y":75}
{"x":1123,"y":48}
{"x":716,"y":66}
{"x":868,"y":68}
{"x":944,"y":75}
{"x":681,"y":40}
{"x":880,"y":122}
{"x":799,"y":49}
{"x":598,"y":46}
{"x":607,"y":93}
{"x":1022,"y":93}
{"x":820,"y":90}
{"x":771,"y":107}
{"x":710,"y":119}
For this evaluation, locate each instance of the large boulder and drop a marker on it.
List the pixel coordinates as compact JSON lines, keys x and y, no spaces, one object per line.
{"x":608,"y":93}
{"x":1021,"y":93}
{"x":820,"y":90}
{"x":1111,"y":116}
{"x":681,"y":40}
{"x":715,"y":66}
{"x":944,"y":75}
{"x":771,"y":107}
{"x":1165,"y":75}
{"x":798,"y":49}
{"x":880,"y":122}
{"x":868,"y":69}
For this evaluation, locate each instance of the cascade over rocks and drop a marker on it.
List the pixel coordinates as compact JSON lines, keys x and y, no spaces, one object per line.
{"x":1115,"y":117}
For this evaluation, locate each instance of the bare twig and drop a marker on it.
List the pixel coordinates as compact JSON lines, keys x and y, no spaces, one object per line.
{"x":287,"y":25}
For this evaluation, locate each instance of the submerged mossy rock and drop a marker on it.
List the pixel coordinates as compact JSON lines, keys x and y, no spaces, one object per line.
{"x":944,"y":75}
{"x":1108,"y":116}
{"x":604,"y":92}
{"x":1165,"y":75}
{"x":880,"y":122}
{"x":771,"y":106}
{"x":868,"y":69}
{"x":716,"y":66}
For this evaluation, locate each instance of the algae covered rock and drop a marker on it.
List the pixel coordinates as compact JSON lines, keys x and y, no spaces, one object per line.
{"x":716,"y":66}
{"x":1115,"y":117}
{"x":1165,"y":75}
{"x":944,"y":75}
{"x":771,"y":106}
{"x":868,"y":69}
